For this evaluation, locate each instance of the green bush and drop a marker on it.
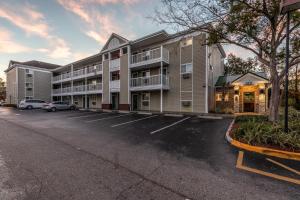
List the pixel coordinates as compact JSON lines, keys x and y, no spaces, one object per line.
{"x":256,"y":130}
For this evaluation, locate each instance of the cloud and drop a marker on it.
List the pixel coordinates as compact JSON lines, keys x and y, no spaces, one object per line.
{"x":8,"y":45}
{"x":33,"y":23}
{"x":99,"y":25}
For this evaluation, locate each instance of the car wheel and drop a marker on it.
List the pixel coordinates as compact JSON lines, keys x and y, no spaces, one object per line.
{"x":29,"y":107}
{"x":72,"y":108}
{"x":53,"y":109}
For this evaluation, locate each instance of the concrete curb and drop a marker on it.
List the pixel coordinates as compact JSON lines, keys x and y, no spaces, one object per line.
{"x":261,"y":150}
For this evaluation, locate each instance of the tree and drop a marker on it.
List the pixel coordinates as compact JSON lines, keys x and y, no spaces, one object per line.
{"x":2,"y":89}
{"x":255,"y":25}
{"x":236,"y":65}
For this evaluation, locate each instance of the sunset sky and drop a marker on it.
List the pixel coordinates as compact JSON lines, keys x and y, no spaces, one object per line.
{"x":62,"y":31}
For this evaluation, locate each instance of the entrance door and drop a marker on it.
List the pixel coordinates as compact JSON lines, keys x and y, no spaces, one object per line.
{"x":135,"y":102}
{"x":115,"y":101}
{"x":249,"y":100}
{"x":88,"y":102}
{"x":83,"y":101}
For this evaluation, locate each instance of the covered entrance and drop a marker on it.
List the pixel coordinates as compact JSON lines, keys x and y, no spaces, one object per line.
{"x":249,"y":101}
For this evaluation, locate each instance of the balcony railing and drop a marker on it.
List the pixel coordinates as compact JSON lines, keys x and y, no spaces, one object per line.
{"x":94,"y":87}
{"x":149,"y":57}
{"x":79,"y":72}
{"x":94,"y":69}
{"x":114,"y":65}
{"x":66,"y":76}
{"x":66,"y":90}
{"x":114,"y":85}
{"x":56,"y":78}
{"x":150,"y":82}
{"x":56,"y":91}
{"x":79,"y":88}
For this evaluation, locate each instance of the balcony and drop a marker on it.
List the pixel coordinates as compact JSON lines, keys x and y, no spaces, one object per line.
{"x":148,"y":58}
{"x":114,"y":65}
{"x":149,"y":83}
{"x":78,"y":73}
{"x":56,"y":78}
{"x":94,"y":88}
{"x":114,"y":86}
{"x":94,"y":70}
{"x":79,"y":89}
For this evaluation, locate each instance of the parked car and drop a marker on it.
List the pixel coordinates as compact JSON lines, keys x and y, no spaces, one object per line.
{"x":31,"y":103}
{"x":2,"y":103}
{"x":58,"y":105}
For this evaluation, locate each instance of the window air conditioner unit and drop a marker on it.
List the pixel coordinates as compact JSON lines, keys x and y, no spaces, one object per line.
{"x":186,"y":76}
{"x":186,"y":103}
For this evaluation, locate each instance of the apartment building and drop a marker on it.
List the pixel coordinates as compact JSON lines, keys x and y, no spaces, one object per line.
{"x":159,"y":72}
{"x":28,"y":80}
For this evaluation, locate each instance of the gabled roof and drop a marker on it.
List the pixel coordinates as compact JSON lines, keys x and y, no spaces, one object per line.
{"x":114,"y":35}
{"x":229,"y":79}
{"x":33,"y":63}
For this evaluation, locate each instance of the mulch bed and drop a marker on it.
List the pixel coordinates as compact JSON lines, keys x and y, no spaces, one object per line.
{"x":235,"y":126}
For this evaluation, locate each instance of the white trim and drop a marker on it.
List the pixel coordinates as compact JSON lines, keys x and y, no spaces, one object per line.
{"x":129,"y":76}
{"x":161,"y":81}
{"x":180,"y":106}
{"x":206,"y":77}
{"x":193,"y":74}
{"x":30,"y":67}
{"x":175,"y":123}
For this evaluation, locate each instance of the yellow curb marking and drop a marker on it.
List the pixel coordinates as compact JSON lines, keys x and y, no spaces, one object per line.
{"x":283,"y":166}
{"x":239,"y":165}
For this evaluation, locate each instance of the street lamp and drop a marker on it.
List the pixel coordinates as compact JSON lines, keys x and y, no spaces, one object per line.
{"x":285,"y":8}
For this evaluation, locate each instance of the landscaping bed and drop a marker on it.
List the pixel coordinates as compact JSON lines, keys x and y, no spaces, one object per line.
{"x":258,"y":131}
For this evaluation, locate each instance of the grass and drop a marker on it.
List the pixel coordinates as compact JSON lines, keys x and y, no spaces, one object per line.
{"x":258,"y":131}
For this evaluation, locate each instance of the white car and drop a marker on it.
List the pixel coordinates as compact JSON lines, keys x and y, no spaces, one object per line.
{"x":31,"y":104}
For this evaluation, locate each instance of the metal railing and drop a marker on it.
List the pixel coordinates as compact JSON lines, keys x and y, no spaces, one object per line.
{"x":79,"y":88}
{"x":114,"y":84}
{"x":150,"y":55}
{"x":79,"y":72}
{"x":56,"y":78}
{"x":94,"y":87}
{"x":56,"y":91}
{"x":66,"y":90}
{"x":149,"y":81}
{"x":114,"y":64}
{"x":66,"y":75}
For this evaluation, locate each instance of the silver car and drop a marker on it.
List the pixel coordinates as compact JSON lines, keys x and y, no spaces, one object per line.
{"x":31,"y":103}
{"x":58,"y":105}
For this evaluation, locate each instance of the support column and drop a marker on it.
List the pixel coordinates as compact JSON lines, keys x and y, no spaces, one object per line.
{"x":85,"y":89}
{"x":72,"y":99}
{"x":161,"y":81}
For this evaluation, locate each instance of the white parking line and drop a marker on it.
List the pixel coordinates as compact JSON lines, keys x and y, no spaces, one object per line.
{"x":129,"y":122}
{"x":95,"y":120}
{"x":170,"y":125}
{"x":83,"y":116}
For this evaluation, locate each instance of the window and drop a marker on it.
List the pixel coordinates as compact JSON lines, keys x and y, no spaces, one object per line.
{"x":226,"y":98}
{"x":145,"y":99}
{"x":29,"y":89}
{"x":186,"y":68}
{"x":124,"y":50}
{"x":28,"y":75}
{"x":219,"y":97}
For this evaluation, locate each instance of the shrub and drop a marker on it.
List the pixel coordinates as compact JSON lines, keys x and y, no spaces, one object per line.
{"x":256,"y":130}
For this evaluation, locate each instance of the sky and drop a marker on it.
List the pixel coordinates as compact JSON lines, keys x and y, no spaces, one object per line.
{"x":63,"y":31}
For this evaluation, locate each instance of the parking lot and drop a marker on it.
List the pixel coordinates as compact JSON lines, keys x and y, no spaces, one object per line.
{"x":108,"y":155}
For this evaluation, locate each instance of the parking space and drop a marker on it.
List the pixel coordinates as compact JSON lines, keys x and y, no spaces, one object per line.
{"x":179,"y":153}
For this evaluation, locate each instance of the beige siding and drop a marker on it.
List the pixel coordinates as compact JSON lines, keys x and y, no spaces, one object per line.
{"x":199,"y":74}
{"x":11,"y":87}
{"x":21,"y":84}
{"x":106,"y":79}
{"x":124,"y":80}
{"x":42,"y":85}
{"x":171,"y":100}
{"x":95,"y":101}
{"x":155,"y":101}
{"x":186,"y":54}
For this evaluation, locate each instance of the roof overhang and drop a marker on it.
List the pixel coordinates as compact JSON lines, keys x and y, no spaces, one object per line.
{"x":252,"y":77}
{"x":151,"y":39}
